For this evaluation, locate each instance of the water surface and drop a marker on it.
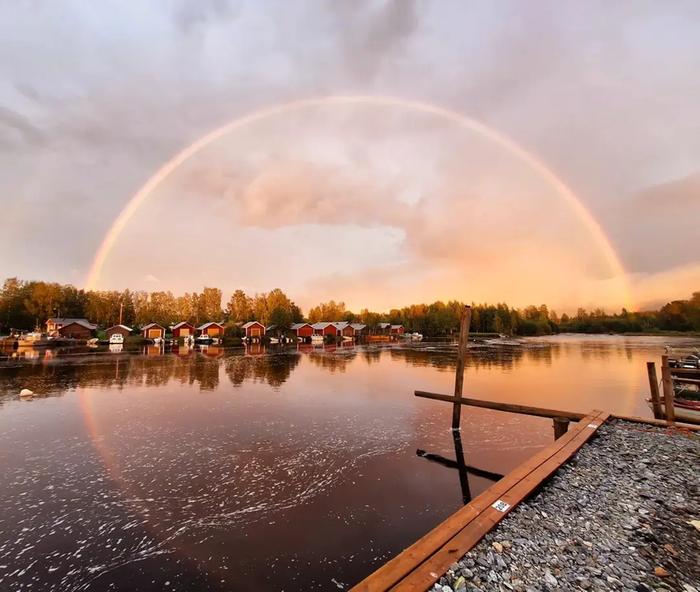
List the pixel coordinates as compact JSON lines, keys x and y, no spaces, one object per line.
{"x":278,"y":470}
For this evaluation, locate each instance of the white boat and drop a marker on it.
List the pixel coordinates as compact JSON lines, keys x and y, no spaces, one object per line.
{"x":416,"y":336}
{"x":115,"y":348}
{"x":116,"y":338}
{"x":204,"y":339}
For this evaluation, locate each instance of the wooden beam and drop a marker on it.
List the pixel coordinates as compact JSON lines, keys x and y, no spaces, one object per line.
{"x":661,"y":423}
{"x":654,"y":389}
{"x":465,"y":320}
{"x":398,"y":568}
{"x":688,"y":371}
{"x":561,"y":426}
{"x":509,"y":407}
{"x":667,"y":382}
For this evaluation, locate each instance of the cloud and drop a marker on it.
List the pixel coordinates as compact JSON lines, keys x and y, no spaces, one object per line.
{"x":292,"y":193}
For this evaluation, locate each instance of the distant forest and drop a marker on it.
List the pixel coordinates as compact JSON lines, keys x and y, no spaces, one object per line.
{"x":25,"y":305}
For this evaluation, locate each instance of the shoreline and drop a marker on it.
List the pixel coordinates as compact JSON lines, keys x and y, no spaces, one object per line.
{"x":615,"y":517}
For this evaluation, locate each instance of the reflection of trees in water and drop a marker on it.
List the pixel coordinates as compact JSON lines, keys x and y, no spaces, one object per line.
{"x":331,"y":361}
{"x":272,"y":369}
{"x":58,"y":375}
{"x":372,"y":356}
{"x":445,"y":358}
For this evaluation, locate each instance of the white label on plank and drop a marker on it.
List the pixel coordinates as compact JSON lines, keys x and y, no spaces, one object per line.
{"x":500,"y":505}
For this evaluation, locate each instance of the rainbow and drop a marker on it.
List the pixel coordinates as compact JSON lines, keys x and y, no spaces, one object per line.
{"x":141,"y":196}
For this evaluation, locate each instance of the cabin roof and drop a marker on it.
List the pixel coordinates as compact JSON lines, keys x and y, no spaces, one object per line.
{"x":209,"y":324}
{"x":181,"y":324}
{"x":384,"y":325}
{"x":357,"y":326}
{"x":396,"y":326}
{"x":69,"y":321}
{"x":151,"y":326}
{"x":323,"y":324}
{"x":120,"y":326}
{"x":251,"y":323}
{"x":296,"y":326}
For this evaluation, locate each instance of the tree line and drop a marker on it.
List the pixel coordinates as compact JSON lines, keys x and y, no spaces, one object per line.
{"x":25,"y":305}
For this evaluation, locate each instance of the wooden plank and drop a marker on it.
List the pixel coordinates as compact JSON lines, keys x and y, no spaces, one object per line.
{"x":427,"y":573}
{"x":662,"y":423}
{"x":461,"y":361}
{"x":686,"y":371}
{"x":509,"y":407}
{"x":654,"y":388}
{"x":400,"y":566}
{"x":667,"y":383}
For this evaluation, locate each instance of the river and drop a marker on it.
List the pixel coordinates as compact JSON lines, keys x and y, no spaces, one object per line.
{"x":268,"y":470}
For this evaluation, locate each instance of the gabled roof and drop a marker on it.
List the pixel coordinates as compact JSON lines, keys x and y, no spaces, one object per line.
{"x":384,"y":325}
{"x":270,"y":327}
{"x":251,"y":323}
{"x":296,"y":326}
{"x":209,"y":324}
{"x":151,"y":326}
{"x":180,"y":324}
{"x":67,"y":321}
{"x":396,"y":326}
{"x":357,"y":326}
{"x":119,"y":326}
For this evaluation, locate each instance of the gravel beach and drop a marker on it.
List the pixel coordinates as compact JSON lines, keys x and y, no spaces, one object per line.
{"x":617,"y":516}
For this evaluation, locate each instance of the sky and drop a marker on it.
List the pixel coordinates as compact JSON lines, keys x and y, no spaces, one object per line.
{"x":374,"y":202}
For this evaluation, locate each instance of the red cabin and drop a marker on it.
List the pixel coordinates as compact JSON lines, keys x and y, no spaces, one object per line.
{"x":183,"y":329}
{"x":302,"y":330}
{"x":254,"y":330}
{"x":211,"y":329}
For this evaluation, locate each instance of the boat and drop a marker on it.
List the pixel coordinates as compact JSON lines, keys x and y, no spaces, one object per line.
{"x":317,"y":339}
{"x":204,"y":339}
{"x":33,"y":339}
{"x":116,"y":338}
{"x":416,"y":336}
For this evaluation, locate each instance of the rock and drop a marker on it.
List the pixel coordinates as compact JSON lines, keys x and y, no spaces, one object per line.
{"x":549,"y":578}
{"x":25,"y":393}
{"x":661,"y":572}
{"x":497,"y":546}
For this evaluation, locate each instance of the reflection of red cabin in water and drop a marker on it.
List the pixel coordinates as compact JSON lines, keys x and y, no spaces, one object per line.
{"x":254,"y":330}
{"x":183,"y":329}
{"x":211,"y":329}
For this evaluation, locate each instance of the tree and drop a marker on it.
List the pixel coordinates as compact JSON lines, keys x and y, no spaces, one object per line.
{"x":239,"y":308}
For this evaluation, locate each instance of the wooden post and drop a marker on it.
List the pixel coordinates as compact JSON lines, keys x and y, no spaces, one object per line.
{"x":667,"y":381}
{"x":654,"y":388}
{"x":561,"y":426}
{"x":461,"y":358}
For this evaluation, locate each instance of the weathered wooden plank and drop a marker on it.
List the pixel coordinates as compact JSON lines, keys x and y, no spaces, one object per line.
{"x":465,"y":320}
{"x":654,"y":389}
{"x":428,"y":572}
{"x":667,"y":383}
{"x":662,"y":423}
{"x":509,"y":407}
{"x":400,"y":566}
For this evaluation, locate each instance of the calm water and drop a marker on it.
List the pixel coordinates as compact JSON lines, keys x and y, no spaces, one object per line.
{"x":291,"y":470}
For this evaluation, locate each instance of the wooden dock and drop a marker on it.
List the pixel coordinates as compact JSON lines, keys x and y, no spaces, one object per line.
{"x":419,"y":566}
